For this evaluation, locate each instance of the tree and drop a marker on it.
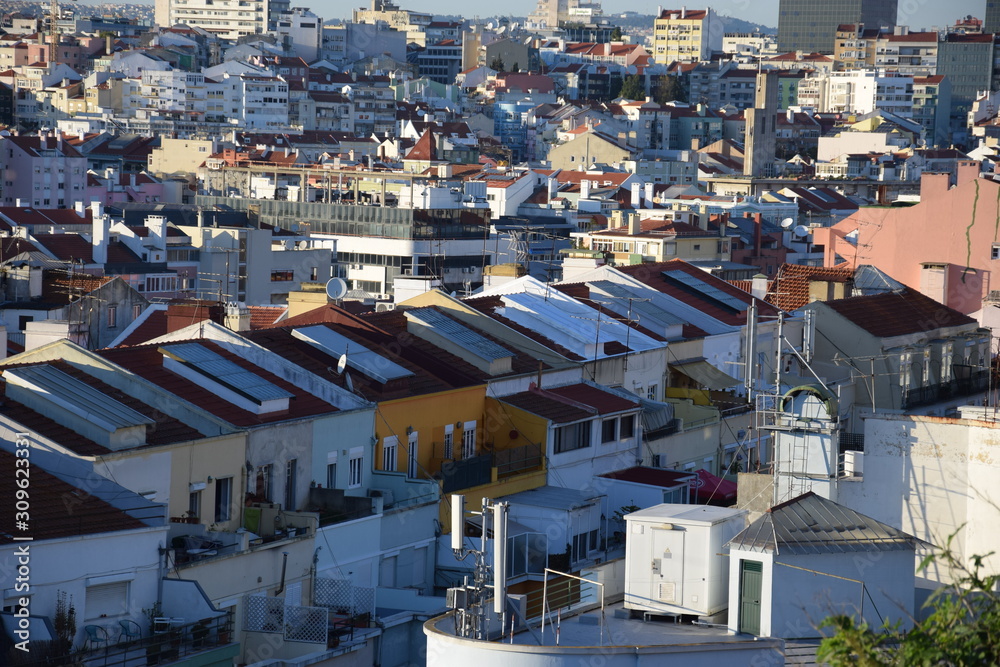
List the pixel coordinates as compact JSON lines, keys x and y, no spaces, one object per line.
{"x":497,"y":64}
{"x":671,"y":89}
{"x":962,"y":630}
{"x":632,"y":88}
{"x":616,"y":34}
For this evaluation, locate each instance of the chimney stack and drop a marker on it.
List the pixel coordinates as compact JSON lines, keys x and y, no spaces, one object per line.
{"x":636,"y":197}
{"x":101,"y":230}
{"x":584,"y":189}
{"x":649,"y":195}
{"x":759,"y":288}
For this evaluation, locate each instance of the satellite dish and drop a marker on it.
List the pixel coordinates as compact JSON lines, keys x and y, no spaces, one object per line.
{"x":342,"y":364}
{"x":501,"y":30}
{"x":336,"y":288}
{"x":801,"y":231}
{"x":786,"y":223}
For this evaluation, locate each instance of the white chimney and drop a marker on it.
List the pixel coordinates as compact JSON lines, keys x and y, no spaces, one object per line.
{"x":101,"y":231}
{"x":759,"y":288}
{"x":584,"y":189}
{"x":19,"y":202}
{"x":80,"y":209}
{"x":157,"y":226}
{"x":649,"y":195}
{"x":636,"y":197}
{"x":683,"y":12}
{"x":96,"y":210}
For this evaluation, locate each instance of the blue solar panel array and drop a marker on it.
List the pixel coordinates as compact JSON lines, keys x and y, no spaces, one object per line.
{"x":226,"y":372}
{"x":710,"y":291}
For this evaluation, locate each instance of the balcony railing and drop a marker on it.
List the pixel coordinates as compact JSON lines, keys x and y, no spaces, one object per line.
{"x":968,"y":380}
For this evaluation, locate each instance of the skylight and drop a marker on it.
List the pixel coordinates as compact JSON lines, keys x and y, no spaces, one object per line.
{"x":359,"y":357}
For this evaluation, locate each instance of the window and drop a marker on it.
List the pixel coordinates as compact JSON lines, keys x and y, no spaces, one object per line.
{"x":112,"y":317}
{"x":223,"y":499}
{"x":104,"y":600}
{"x":136,"y":311}
{"x":627,"y":427}
{"x":652,"y":391}
{"x":282,"y":275}
{"x":468,"y":440}
{"x":389,"y":446}
{"x":354,"y":471}
{"x":290,"y":484}
{"x":263,"y":483}
{"x":331,"y":475}
{"x":314,"y":273}
{"x":995,"y":254}
{"x":411,"y":455}
{"x":609,"y":430}
{"x":449,"y":437}
{"x":573,"y":436}
{"x":194,"y":504}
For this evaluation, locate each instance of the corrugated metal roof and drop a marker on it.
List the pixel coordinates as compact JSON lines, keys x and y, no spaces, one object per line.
{"x":83,"y":399}
{"x":359,"y":357}
{"x":224,"y":371}
{"x":606,"y":291}
{"x":869,"y":279}
{"x":459,"y":334}
{"x":811,"y":524}
{"x":554,"y":497}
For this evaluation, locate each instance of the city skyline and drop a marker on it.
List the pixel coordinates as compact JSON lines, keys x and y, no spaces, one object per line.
{"x":914,"y":13}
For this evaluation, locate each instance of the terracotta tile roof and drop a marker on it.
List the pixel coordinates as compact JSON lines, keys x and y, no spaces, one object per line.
{"x":265,"y":316}
{"x":58,"y":288}
{"x":43,"y":425}
{"x":423,"y":150}
{"x":790,"y":288}
{"x":147,"y":361}
{"x":49,"y":518}
{"x":33,"y":145}
{"x":153,"y":326}
{"x":569,"y":403}
{"x":898,"y":313}
{"x":689,"y":14}
{"x":26,"y":216}
{"x":651,"y":274}
{"x":74,"y":247}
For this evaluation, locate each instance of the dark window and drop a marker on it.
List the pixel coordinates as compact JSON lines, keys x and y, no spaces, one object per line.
{"x":609,"y":430}
{"x":627,"y":428}
{"x":573,"y":436}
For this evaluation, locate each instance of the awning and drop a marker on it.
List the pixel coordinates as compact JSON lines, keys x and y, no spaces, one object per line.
{"x":709,"y":487}
{"x":705,"y":374}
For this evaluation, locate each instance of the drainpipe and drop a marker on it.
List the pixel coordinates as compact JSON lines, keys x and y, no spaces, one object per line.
{"x":284,"y":565}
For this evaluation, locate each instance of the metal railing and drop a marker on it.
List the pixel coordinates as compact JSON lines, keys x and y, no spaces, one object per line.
{"x":168,"y":645}
{"x":576,"y":592}
{"x":512,"y":461}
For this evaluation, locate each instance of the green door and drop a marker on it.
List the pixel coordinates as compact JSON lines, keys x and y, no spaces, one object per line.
{"x":751,"y":583}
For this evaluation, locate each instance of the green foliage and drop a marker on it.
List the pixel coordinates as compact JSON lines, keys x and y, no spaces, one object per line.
{"x":962,"y":630}
{"x":497,"y":64}
{"x":632,"y":88}
{"x":671,"y":89}
{"x":616,"y":34}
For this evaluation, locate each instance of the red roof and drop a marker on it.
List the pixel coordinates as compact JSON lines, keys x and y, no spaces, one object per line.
{"x":689,"y":14}
{"x":147,"y":361}
{"x":73,"y":247}
{"x":50,"y":498}
{"x":714,"y":488}
{"x":650,"y":476}
{"x":898,"y":313}
{"x":790,"y":288}
{"x":570,"y":403}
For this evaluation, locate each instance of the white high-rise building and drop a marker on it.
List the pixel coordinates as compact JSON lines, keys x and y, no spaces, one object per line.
{"x":229,"y":19}
{"x":549,"y":14}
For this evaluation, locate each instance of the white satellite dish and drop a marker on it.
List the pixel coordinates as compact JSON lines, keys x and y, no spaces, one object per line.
{"x":786,"y":223}
{"x":801,"y":231}
{"x":501,"y":30}
{"x":490,"y":25}
{"x":336,"y":288}
{"x":342,"y":364}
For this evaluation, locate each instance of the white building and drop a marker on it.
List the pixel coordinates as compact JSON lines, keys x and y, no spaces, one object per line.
{"x":810,"y":558}
{"x":858,"y":92}
{"x":304,"y":31}
{"x":228,"y":20}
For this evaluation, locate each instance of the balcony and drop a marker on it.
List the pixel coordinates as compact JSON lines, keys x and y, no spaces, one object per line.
{"x":968,"y":380}
{"x":207,"y":641}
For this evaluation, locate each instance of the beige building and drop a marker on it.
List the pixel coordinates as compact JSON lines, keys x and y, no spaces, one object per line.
{"x":685,"y":35}
{"x":228,"y":20}
{"x":412,"y":23}
{"x":632,"y":239}
{"x":588,"y":146}
{"x":180,"y":156}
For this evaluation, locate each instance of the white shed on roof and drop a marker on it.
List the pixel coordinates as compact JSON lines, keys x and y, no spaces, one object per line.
{"x":810,"y":558}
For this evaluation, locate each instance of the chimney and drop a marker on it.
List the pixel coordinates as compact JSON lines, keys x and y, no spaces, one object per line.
{"x":636,"y":197}
{"x":80,"y":209}
{"x":108,"y":44}
{"x":695,"y":143}
{"x":551,"y":186}
{"x":758,"y":234}
{"x":649,"y":195}
{"x":584,"y":189}
{"x":101,"y":230}
{"x":157,"y":226}
{"x":759,"y":288}
{"x":96,"y":210}
{"x":683,"y":12}
{"x":790,"y":115}
{"x":634,"y":224}
{"x":967,"y":170}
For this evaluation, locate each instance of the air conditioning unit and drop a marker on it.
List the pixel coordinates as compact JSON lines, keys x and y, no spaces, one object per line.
{"x":407,"y":272}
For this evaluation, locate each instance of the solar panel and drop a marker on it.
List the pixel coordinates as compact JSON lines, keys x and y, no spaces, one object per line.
{"x":226,"y":372}
{"x":359,"y":357}
{"x":460,"y":334}
{"x":611,"y":293}
{"x":710,"y":291}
